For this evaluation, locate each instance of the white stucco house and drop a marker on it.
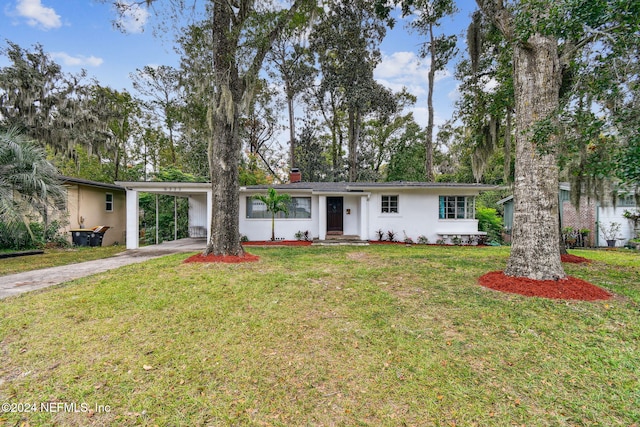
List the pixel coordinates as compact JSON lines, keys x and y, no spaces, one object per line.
{"x":325,"y":209}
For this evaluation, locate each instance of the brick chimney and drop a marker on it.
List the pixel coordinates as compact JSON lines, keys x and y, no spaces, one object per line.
{"x":295,"y":175}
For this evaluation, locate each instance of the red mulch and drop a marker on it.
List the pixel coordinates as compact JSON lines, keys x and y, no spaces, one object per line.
{"x":277,"y":243}
{"x":569,"y":288}
{"x":229,"y":259}
{"x":574,"y":259}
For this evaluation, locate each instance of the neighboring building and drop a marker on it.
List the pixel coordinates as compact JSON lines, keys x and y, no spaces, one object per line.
{"x":91,"y":204}
{"x":325,"y":209}
{"x":586,"y":217}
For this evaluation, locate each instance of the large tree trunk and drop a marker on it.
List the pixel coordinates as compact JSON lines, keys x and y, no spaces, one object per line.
{"x":225,"y":149}
{"x":354,"y":136}
{"x":428,"y":141}
{"x":535,"y":251}
{"x":292,"y":132}
{"x":225,"y":146}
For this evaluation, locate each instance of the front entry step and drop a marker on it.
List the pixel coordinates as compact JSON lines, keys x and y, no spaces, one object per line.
{"x":345,"y":240}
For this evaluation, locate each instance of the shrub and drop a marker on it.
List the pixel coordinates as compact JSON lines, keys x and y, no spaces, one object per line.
{"x":302,"y":235}
{"x":17,"y":237}
{"x":490,"y":222}
{"x":423,"y":240}
{"x":408,"y":240}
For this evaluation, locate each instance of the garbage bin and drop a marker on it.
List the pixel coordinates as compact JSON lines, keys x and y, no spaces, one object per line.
{"x":81,"y":237}
{"x":97,"y":233}
{"x":95,"y":239}
{"x":88,"y":236}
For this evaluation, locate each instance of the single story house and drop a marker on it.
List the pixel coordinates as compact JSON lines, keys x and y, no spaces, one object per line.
{"x":92,"y":204}
{"x":587,"y":216}
{"x":437,"y":211}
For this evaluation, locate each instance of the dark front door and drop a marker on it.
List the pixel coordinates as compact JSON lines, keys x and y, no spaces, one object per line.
{"x":334,"y":215}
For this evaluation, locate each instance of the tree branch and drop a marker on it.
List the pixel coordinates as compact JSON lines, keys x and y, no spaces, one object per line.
{"x":499,"y":15}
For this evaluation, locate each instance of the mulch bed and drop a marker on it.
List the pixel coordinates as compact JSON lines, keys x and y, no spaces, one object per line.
{"x":228,"y":259}
{"x":570,"y":288}
{"x":277,"y":243}
{"x":574,"y":259}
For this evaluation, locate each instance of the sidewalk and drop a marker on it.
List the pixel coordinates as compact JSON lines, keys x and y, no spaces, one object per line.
{"x":15,"y":284}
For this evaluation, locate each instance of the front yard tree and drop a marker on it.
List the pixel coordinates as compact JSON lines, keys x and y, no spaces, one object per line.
{"x":346,"y":42}
{"x":46,"y":104}
{"x":547,"y":38}
{"x":439,"y":48}
{"x":163,"y":90}
{"x":242,"y":32}
{"x":275,"y":204}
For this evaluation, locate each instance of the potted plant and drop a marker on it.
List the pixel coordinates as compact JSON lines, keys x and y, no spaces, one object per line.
{"x":610,"y":232}
{"x":584,"y":234}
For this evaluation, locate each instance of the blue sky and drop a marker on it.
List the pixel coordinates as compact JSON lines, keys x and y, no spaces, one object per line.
{"x":80,"y":34}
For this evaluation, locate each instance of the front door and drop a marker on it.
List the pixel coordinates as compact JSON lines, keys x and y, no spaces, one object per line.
{"x":334,"y":215}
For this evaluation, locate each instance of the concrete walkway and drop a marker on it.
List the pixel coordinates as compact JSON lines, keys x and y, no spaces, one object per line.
{"x":19,"y":283}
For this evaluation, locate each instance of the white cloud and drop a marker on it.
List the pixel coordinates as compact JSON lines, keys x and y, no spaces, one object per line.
{"x":133,"y":17}
{"x":406,"y":69}
{"x":77,"y":61}
{"x":37,"y":14}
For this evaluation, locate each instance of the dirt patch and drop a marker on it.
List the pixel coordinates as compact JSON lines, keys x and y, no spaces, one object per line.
{"x":358,"y":256}
{"x":228,"y":259}
{"x":574,"y":259}
{"x":569,"y":288}
{"x":277,"y":243}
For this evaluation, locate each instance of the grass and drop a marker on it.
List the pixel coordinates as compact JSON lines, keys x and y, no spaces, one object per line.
{"x":56,"y":257}
{"x":358,"y":336}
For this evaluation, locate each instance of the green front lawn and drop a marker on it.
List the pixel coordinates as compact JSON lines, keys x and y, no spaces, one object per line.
{"x":370,"y":336}
{"x":56,"y":257}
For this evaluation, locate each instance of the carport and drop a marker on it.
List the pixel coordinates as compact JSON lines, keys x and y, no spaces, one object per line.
{"x":198,"y":193}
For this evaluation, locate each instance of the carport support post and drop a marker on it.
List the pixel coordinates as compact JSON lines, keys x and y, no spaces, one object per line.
{"x":157,"y":222}
{"x":133,"y":214}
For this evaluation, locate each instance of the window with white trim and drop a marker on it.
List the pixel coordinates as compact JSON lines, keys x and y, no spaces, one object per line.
{"x":298,"y":208}
{"x":457,"y":207}
{"x":108,"y":202}
{"x":389,"y":204}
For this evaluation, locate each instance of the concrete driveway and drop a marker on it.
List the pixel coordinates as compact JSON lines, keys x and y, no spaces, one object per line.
{"x":15,"y":284}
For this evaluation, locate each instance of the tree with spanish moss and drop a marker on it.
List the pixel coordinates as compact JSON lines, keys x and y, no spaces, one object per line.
{"x":548,"y":41}
{"x":239,"y":36}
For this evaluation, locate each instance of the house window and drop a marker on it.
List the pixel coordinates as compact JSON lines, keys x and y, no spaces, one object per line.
{"x":389,"y":204}
{"x":109,"y":202}
{"x":457,"y":207}
{"x":298,"y":208}
{"x":627,"y":200}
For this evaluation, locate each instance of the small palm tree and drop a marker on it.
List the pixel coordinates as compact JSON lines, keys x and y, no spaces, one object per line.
{"x":275,"y":203}
{"x":28,"y":182}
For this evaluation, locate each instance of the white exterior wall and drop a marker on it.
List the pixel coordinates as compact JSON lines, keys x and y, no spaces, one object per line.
{"x":351,"y":220}
{"x":607,"y":215}
{"x":417,"y":216}
{"x":260,"y":228}
{"x":198,"y":211}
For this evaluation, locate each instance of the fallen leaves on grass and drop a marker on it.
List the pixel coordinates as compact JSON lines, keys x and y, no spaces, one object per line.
{"x":229,"y":259}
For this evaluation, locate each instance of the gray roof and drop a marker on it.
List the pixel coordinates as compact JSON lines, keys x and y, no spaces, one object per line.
{"x":345,"y":187}
{"x":80,"y":181}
